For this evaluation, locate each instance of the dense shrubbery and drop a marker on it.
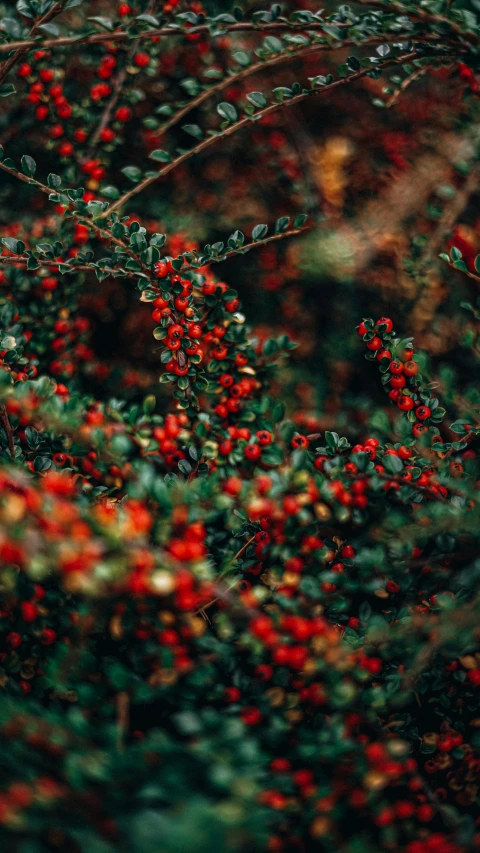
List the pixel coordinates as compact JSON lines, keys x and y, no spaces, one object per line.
{"x":239,"y":609}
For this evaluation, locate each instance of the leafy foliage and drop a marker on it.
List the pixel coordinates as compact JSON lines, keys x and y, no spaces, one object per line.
{"x":226,"y":622}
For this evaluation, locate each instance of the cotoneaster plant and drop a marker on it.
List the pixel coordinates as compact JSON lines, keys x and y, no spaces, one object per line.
{"x":222,"y":625}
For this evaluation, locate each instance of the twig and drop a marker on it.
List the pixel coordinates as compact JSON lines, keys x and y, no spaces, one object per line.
{"x":292,"y":232}
{"x":5,"y":422}
{"x":467,"y":438}
{"x":117,"y":88}
{"x":123,"y":715}
{"x":204,"y":29}
{"x":464,"y":272}
{"x":451,"y":214}
{"x":405,"y":84}
{"x":106,"y":115}
{"x":298,"y":53}
{"x":238,"y":125}
{"x":18,"y":260}
{"x":233,"y":560}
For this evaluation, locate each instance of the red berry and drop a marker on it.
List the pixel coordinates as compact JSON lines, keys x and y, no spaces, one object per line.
{"x":383,"y":353}
{"x":419,"y":430}
{"x":107,"y":134}
{"x":422,"y":413}
{"x":29,"y":611}
{"x":141,"y":59}
{"x":123,"y":114}
{"x":410,"y":368}
{"x":46,"y":75}
{"x":473,"y":676}
{"x":299,"y":442}
{"x":24,"y":70}
{"x":161,"y":270}
{"x":348,"y":552}
{"x":405,"y":403}
{"x":385,"y":321}
{"x":251,"y":716}
{"x":252,"y":452}
{"x":14,"y":640}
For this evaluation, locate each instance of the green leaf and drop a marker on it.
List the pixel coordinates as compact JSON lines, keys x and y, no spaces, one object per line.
{"x":272,"y":44}
{"x":10,"y":243}
{"x":300,"y":220}
{"x":270,"y":347}
{"x":227,"y":111}
{"x":258,"y":99}
{"x":161,"y":156}
{"x":106,"y":23}
{"x":282,"y":224}
{"x":242,"y":58}
{"x":7,"y":89}
{"x":8,"y":342}
{"x":332,"y":439}
{"x":54,"y":181}
{"x":259,"y":232}
{"x":392,"y":464}
{"x":133,"y":173}
{"x":29,"y":167}
{"x":111,"y":192}
{"x":193,"y":130}
{"x":459,"y":427}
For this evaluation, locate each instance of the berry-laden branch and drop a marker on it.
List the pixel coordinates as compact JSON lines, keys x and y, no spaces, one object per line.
{"x":406,"y":388}
{"x":337,"y":664}
{"x":100,"y":230}
{"x":20,"y":50}
{"x":244,"y":122}
{"x":401,"y":376}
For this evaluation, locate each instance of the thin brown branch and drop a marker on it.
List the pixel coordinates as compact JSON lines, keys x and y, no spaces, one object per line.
{"x":239,"y":553}
{"x":243,"y":26}
{"x":117,"y":86}
{"x":468,"y":438}
{"x":464,"y":272}
{"x":393,"y":99}
{"x":298,"y":53}
{"x":123,"y":718}
{"x":451,"y":214}
{"x":292,"y":232}
{"x":238,"y":125}
{"x":107,"y":113}
{"x":5,"y":422}
{"x":19,"y":260}
{"x":203,"y":29}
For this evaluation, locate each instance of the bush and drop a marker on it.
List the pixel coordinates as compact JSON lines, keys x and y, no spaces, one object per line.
{"x":239,"y":610}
